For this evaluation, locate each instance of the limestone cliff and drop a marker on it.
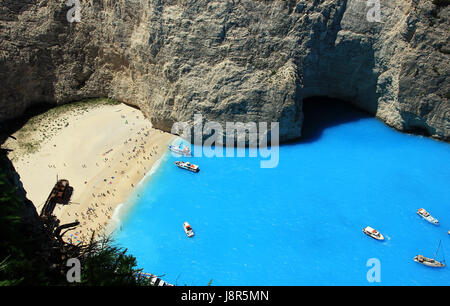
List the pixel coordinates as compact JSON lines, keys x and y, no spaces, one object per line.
{"x":231,"y":60}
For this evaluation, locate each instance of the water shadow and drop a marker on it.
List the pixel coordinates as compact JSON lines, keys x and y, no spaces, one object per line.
{"x":321,"y":113}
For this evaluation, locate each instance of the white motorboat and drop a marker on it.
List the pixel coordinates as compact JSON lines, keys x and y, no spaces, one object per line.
{"x":426,"y":215}
{"x":187,"y":166}
{"x":373,"y":233}
{"x":188,"y":229}
{"x":186,"y":151}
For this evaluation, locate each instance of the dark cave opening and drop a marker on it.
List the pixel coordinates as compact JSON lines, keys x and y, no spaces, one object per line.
{"x":321,"y":113}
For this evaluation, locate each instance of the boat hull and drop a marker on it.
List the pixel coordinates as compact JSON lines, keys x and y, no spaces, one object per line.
{"x":429,"y":262}
{"x":377,"y":237}
{"x":427,"y":217}
{"x":177,"y":150}
{"x":190,"y":234}
{"x":188,"y":168}
{"x":430,"y":220}
{"x":188,"y":230}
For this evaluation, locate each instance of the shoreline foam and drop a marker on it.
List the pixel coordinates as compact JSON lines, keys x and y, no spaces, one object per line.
{"x":122,"y":209}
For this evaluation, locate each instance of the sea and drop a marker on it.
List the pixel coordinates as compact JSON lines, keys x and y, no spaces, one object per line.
{"x":299,"y":223}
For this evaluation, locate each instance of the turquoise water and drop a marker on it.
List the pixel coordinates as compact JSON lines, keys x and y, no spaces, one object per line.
{"x":301,"y":222}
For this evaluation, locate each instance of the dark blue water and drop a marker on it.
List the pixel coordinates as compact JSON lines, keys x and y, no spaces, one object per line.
{"x":301,"y":222}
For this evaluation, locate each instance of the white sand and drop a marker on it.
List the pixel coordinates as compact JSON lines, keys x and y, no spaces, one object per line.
{"x":103,"y":152}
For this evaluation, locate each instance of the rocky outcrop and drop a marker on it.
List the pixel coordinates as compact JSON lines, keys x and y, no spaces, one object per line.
{"x":23,"y":208}
{"x":231,"y":60}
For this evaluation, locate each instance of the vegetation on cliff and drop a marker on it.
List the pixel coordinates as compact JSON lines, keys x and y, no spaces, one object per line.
{"x":20,"y":263}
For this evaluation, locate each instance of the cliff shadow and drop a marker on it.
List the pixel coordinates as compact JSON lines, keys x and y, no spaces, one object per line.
{"x":321,"y":113}
{"x":11,"y":126}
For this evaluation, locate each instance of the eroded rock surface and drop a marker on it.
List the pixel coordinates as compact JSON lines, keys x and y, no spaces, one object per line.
{"x":241,"y":60}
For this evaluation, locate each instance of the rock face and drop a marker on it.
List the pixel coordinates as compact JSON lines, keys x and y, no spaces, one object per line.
{"x":231,"y":60}
{"x":30,"y":223}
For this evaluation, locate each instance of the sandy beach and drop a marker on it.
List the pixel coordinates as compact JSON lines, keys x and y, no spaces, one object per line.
{"x":103,"y":150}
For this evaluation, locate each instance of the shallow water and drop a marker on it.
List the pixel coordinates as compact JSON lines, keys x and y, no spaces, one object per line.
{"x":301,"y":222}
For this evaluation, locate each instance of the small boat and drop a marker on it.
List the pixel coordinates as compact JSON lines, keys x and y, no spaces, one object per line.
{"x":373,"y":233}
{"x":188,"y":229}
{"x":426,"y":215}
{"x":186,"y":151}
{"x":448,"y":232}
{"x":187,"y":166}
{"x":430,"y":262}
{"x":154,"y":280}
